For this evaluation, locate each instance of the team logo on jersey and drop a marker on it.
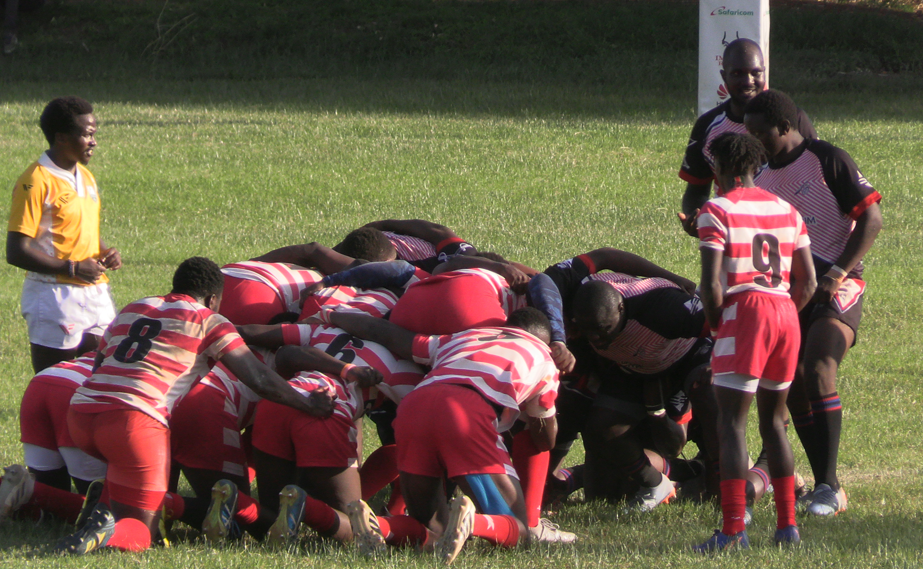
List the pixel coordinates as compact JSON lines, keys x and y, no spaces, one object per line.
{"x":27,"y":187}
{"x":67,"y":328}
{"x":565,"y":264}
{"x":804,"y":189}
{"x":693,"y":305}
{"x":862,"y":180}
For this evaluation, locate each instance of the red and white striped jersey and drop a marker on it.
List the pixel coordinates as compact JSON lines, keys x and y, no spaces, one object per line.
{"x":410,"y":248}
{"x":758,"y":233}
{"x":509,"y":300}
{"x":236,"y":393}
{"x":155,"y":349}
{"x":375,"y":302}
{"x":827,"y":189}
{"x":72,"y":373}
{"x":511,"y":368}
{"x":631,"y":286}
{"x":399,"y":376}
{"x":348,"y":402}
{"x":285,"y":279}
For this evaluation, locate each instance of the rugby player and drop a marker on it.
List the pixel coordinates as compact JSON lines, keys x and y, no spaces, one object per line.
{"x":842,"y":213}
{"x":757,"y":273}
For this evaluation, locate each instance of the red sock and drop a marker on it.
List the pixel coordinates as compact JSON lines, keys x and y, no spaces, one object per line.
{"x":402,"y":530}
{"x":396,"y":505}
{"x":319,"y":516}
{"x":61,"y":503}
{"x":173,"y":506}
{"x":378,"y":470}
{"x":248,"y":509}
{"x":130,"y":535}
{"x":784,"y":495}
{"x":532,"y":466}
{"x":498,"y":530}
{"x":733,"y":505}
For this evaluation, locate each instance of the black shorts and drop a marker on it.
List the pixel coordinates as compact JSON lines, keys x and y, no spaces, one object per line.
{"x":814,"y":311}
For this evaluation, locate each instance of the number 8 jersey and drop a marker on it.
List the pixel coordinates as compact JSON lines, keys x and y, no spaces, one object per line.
{"x":758,"y":233}
{"x":154,"y":351}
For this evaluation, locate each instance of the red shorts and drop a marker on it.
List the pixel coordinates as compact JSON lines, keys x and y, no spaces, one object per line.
{"x":446,"y":306}
{"x":43,"y":415}
{"x":307,"y":441}
{"x":448,"y":430}
{"x":249,"y":302}
{"x":204,"y":433}
{"x":758,"y":336}
{"x":136,"y":447}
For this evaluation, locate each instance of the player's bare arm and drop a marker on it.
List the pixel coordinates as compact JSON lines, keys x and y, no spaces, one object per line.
{"x":710,"y":289}
{"x":803,"y":279}
{"x":624,"y":262}
{"x":517,"y":279}
{"x":868,"y":225}
{"x":262,"y":335}
{"x":544,"y":432}
{"x":324,"y":259}
{"x":22,"y":251}
{"x":389,"y":335}
{"x":270,"y":386}
{"x":693,"y":199}
{"x":293,"y":359}
{"x":426,"y":230}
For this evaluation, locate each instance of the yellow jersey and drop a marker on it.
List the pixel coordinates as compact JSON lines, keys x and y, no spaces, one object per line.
{"x":60,"y":210}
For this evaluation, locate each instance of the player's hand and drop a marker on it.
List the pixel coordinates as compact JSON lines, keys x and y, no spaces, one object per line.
{"x":111,"y":259}
{"x":563,"y":359}
{"x":690,"y":222}
{"x":364,"y":376}
{"x":826,"y":289}
{"x":309,"y":290}
{"x":321,"y":402}
{"x":687,"y":285}
{"x":518,"y":280}
{"x":89,"y":270}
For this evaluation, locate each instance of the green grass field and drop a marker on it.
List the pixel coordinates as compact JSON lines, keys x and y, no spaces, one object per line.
{"x":247,"y":133}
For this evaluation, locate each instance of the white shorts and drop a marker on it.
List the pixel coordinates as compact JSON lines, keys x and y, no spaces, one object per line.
{"x":748,"y":383}
{"x":58,"y":315}
{"x":79,"y":464}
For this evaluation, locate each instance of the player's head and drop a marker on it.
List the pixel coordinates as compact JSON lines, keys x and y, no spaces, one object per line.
{"x":771,"y":117}
{"x":743,"y":70}
{"x":201,"y":279}
{"x":69,"y":126}
{"x":599,"y":313}
{"x":532,"y":321}
{"x":367,"y":243}
{"x":736,"y":155}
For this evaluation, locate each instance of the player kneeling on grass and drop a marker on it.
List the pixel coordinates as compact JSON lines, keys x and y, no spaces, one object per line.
{"x":757,"y":273}
{"x":448,"y":427}
{"x":150,"y":356}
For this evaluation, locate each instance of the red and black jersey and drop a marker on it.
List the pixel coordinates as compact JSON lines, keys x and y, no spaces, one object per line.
{"x":828,"y":190}
{"x":698,"y":164}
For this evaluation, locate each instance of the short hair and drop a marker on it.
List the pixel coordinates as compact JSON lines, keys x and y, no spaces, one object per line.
{"x":532,"y":320}
{"x":775,"y":106}
{"x":366,"y":243}
{"x":596,"y":300}
{"x":198,"y":277}
{"x":60,"y":115}
{"x":738,"y":154}
{"x":741,"y":45}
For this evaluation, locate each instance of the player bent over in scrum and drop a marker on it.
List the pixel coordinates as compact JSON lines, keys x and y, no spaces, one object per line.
{"x":150,"y":356}
{"x":448,"y":427}
{"x":757,"y":273}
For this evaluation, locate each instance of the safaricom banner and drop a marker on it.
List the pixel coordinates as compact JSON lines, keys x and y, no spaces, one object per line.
{"x":720,"y":23}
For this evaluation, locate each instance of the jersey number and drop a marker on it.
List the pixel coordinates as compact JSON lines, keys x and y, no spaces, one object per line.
{"x":338,"y":349}
{"x":772,"y":264}
{"x":139,"y":341}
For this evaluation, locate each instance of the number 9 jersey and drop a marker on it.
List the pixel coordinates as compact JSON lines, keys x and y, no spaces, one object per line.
{"x":154,"y":350}
{"x":758,"y":233}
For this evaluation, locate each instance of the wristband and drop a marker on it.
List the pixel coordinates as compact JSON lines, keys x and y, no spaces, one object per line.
{"x":345,"y":371}
{"x":71,"y":269}
{"x":836,"y":273}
